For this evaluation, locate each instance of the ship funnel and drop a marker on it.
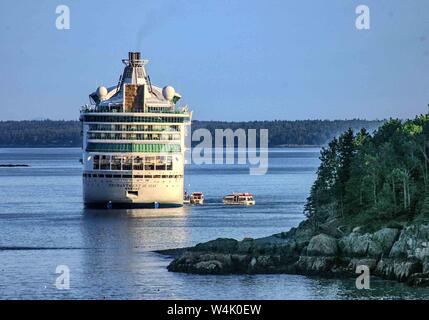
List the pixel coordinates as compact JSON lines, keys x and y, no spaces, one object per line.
{"x":134,"y":72}
{"x":134,"y":56}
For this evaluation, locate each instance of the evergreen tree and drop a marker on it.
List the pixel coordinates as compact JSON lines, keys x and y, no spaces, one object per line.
{"x":374,"y":177}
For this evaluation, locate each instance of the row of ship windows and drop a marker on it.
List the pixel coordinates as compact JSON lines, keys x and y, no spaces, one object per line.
{"x":129,"y":176}
{"x":135,"y":127}
{"x":161,"y":109}
{"x":132,"y":147}
{"x":135,"y":108}
{"x":107,"y":162}
{"x":97,"y":118}
{"x":133,"y":136}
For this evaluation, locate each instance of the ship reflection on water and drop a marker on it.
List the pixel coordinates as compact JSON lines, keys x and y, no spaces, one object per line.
{"x":137,"y":213}
{"x":137,"y":229}
{"x":117,"y":257}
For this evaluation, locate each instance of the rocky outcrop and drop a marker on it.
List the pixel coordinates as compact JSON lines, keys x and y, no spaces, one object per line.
{"x":368,"y":245}
{"x":412,"y":243}
{"x":390,"y":253}
{"x":322,"y":245}
{"x":315,"y":265}
{"x":408,"y":257}
{"x":397,"y":269}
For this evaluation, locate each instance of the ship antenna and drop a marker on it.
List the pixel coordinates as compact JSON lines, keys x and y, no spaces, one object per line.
{"x":119,"y":83}
{"x":150,"y":84}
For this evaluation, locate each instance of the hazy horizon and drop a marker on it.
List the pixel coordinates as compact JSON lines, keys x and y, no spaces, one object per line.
{"x":231,"y":61}
{"x":203,"y":120}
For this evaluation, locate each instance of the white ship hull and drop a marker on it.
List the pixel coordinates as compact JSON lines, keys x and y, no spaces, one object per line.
{"x":131,"y":192}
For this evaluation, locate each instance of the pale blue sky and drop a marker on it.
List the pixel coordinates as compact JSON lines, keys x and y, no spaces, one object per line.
{"x":230,"y":60}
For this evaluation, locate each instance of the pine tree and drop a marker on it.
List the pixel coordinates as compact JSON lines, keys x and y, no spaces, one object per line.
{"x":425,"y":205}
{"x":346,"y":150}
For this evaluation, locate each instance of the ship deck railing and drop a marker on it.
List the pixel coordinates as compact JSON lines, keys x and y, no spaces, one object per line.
{"x":117,"y":110}
{"x":133,"y":130}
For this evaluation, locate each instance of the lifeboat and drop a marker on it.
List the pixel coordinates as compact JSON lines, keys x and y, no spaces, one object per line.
{"x":197,"y":198}
{"x":244,"y":199}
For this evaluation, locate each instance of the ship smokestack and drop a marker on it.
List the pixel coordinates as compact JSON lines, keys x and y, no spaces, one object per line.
{"x":134,"y":72}
{"x":133,"y":56}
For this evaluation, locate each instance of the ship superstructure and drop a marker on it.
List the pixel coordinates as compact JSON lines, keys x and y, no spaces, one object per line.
{"x":134,"y":142}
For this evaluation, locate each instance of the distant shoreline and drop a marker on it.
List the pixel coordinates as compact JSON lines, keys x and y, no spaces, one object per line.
{"x":76,"y":147}
{"x":281,"y":133}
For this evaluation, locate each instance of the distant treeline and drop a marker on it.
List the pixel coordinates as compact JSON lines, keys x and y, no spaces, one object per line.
{"x":40,"y":133}
{"x":294,"y":133}
{"x":50,"y":133}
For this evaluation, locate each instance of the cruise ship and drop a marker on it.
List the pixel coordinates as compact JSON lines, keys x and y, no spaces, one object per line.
{"x":134,"y":142}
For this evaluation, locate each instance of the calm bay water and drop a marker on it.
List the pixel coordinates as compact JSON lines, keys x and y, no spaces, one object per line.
{"x":43,"y":224}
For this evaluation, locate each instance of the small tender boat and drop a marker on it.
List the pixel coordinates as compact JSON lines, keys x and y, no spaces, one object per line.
{"x":245,"y":199}
{"x":186,"y":199}
{"x":197,"y":198}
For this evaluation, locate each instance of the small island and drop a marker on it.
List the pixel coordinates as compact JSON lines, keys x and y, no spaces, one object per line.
{"x":369,"y":205}
{"x":12,"y":165}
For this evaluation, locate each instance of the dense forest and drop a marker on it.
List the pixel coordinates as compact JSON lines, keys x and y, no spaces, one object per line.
{"x":49,"y":133}
{"x":43,"y":133}
{"x":374,"y":179}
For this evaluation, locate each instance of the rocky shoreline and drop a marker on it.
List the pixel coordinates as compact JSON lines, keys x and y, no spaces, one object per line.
{"x":396,"y":253}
